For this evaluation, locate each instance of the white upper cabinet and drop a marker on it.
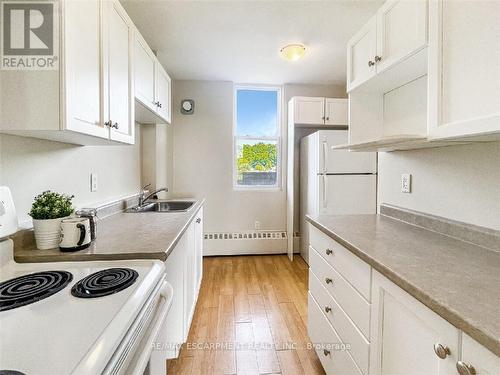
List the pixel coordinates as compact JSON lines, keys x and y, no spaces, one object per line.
{"x":407,"y":337}
{"x":309,"y":110}
{"x":464,"y":69}
{"x":163,"y":93}
{"x":398,"y":31}
{"x":319,"y":111}
{"x":361,"y":51}
{"x":336,"y":111}
{"x":89,"y":101}
{"x":118,"y":95}
{"x":82,"y":68}
{"x":401,"y":30}
{"x":144,"y":65}
{"x":153,"y":88}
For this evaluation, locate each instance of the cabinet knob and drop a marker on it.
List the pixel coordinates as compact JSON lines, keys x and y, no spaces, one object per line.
{"x":465,"y":368}
{"x":328,"y":309}
{"x":328,"y":119}
{"x":329,"y":252}
{"x":326,"y":352}
{"x":441,"y":350}
{"x":107,"y":123}
{"x":198,"y":220}
{"x":115,"y":125}
{"x":328,"y":280}
{"x":378,"y":58}
{"x":371,"y":63}
{"x":323,"y":117}
{"x":159,"y":104}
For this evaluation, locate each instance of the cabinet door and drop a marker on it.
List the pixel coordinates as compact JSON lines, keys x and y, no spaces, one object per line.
{"x":163,"y":93}
{"x":336,"y":111}
{"x":172,"y":336}
{"x":361,"y":51}
{"x":404,"y":332}
{"x":198,"y":240}
{"x":401,"y":31}
{"x":309,"y":110}
{"x":464,"y":60}
{"x":83,"y":68}
{"x":476,"y":356}
{"x":118,"y":83}
{"x":144,"y":68}
{"x":189,"y":278}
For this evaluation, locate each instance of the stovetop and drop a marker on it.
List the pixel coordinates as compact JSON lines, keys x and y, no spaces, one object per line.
{"x":73,"y":335}
{"x":104,"y":283}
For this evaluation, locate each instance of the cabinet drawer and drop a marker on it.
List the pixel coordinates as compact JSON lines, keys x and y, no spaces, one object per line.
{"x":348,"y":332}
{"x":356,"y":307}
{"x":324,"y":337}
{"x":357,"y":272}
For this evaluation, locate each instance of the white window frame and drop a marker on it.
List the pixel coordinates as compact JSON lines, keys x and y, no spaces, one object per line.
{"x":277,"y":139}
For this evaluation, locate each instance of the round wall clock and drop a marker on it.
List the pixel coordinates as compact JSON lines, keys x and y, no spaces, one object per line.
{"x":187,"y":106}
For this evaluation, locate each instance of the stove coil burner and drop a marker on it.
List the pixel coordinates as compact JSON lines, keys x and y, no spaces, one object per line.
{"x":27,"y":289}
{"x":104,"y":283}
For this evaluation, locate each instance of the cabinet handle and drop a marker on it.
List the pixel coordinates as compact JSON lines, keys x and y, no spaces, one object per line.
{"x":159,"y":104}
{"x":108,"y":123}
{"x":441,"y":350}
{"x":378,"y":58}
{"x":328,"y":280}
{"x":323,"y":117}
{"x":115,"y":125}
{"x":465,"y":368}
{"x":198,"y":220}
{"x":326,"y":352}
{"x":328,"y":119}
{"x":328,"y":252}
{"x":328,"y":309}
{"x":371,"y":63}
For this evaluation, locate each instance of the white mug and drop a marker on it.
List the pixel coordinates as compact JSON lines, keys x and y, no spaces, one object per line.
{"x":75,"y":234}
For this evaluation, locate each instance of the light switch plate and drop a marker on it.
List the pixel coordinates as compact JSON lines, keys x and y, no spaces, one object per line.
{"x":93,"y":182}
{"x":406,"y":183}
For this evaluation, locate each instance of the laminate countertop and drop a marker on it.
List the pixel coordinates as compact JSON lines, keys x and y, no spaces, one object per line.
{"x":145,"y":235}
{"x":456,"y":279}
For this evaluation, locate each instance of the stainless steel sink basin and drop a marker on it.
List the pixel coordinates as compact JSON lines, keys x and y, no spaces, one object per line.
{"x":164,"y":206}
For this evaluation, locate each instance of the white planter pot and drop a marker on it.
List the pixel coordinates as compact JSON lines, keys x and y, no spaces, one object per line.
{"x":47,"y":233}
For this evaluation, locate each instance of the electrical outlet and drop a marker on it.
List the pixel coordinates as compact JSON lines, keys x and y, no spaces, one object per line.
{"x":257,"y":225}
{"x":93,"y":182}
{"x":406,"y":183}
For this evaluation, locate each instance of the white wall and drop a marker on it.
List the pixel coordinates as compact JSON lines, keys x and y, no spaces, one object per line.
{"x":203,"y":157}
{"x":29,"y":166}
{"x":457,"y":182}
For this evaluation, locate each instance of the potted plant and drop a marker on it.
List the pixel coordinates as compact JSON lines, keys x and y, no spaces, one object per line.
{"x":47,"y":211}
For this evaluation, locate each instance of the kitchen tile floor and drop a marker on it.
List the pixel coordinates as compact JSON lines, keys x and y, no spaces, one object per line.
{"x":251,"y":318}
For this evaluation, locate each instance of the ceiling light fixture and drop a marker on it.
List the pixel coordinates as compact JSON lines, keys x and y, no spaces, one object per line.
{"x":293,"y":52}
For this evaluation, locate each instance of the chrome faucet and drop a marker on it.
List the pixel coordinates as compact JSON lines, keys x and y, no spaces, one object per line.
{"x":143,"y":197}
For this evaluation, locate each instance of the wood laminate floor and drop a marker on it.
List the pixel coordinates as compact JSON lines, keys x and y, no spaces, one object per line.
{"x":251,"y":318}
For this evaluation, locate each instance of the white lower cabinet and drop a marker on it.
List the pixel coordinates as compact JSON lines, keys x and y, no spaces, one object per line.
{"x":386,"y":331}
{"x":182,"y":273}
{"x":476,"y":359}
{"x":406,"y":336}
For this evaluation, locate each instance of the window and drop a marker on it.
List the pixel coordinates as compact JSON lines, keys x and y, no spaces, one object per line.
{"x":257,"y":158}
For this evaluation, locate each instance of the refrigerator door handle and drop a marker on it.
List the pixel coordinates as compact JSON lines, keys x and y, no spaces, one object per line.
{"x":325,"y":187}
{"x":325,"y":155}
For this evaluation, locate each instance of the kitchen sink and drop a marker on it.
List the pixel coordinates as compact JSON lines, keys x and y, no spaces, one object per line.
{"x":164,"y":206}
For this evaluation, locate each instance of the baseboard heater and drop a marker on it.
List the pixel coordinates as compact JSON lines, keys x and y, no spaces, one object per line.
{"x":241,"y":243}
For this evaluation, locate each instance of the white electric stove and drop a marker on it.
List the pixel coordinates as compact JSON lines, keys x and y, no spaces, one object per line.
{"x":79,"y":317}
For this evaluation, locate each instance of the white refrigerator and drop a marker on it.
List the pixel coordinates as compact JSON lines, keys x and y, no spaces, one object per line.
{"x":334,"y":182}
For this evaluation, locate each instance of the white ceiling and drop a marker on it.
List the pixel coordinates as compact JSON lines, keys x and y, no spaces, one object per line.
{"x":239,"y":41}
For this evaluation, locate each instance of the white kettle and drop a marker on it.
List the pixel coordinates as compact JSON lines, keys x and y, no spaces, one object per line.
{"x":75,"y":234}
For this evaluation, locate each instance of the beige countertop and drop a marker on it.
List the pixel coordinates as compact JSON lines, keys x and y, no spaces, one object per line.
{"x":146,"y":235}
{"x":456,"y":279}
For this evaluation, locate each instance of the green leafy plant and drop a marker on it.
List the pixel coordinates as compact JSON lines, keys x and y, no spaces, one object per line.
{"x":51,"y":205}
